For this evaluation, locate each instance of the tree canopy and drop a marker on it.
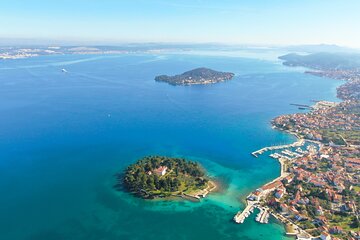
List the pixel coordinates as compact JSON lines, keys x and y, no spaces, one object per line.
{"x":143,"y":178}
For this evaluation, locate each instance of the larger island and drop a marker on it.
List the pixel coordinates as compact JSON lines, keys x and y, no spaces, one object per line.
{"x":196,"y":76}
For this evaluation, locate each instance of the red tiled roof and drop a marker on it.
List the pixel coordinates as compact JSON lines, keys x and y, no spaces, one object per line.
{"x":160,"y":169}
{"x":272,"y":185}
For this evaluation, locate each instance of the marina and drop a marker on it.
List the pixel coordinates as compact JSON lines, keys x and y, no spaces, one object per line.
{"x":242,"y":215}
{"x":298,"y":143}
{"x":252,"y":200}
{"x":263,"y":216}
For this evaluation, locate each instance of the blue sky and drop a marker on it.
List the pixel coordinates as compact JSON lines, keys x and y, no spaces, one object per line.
{"x":224,"y":21}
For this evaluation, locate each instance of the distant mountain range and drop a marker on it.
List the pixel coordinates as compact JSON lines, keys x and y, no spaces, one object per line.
{"x":335,"y":53}
{"x":323,"y":61}
{"x":319,"y":48}
{"x":41,"y":43}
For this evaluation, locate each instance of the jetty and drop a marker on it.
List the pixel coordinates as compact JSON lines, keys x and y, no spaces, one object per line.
{"x":301,"y":105}
{"x":200,"y":193}
{"x":195,"y":197}
{"x":242,"y":215}
{"x":262,"y":216}
{"x":298,"y":143}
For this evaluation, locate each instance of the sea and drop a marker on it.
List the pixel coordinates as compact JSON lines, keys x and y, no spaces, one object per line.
{"x":65,"y":134}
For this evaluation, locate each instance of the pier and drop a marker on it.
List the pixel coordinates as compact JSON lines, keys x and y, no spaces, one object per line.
{"x":242,"y":215}
{"x":300,"y":105}
{"x":265,"y":149}
{"x":262,"y":216}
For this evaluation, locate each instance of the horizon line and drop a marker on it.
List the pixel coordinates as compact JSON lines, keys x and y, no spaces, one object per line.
{"x":71,"y":42}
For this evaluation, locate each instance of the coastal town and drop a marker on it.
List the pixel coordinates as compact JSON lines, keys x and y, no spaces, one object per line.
{"x":331,"y":123}
{"x":317,"y":195}
{"x":8,"y":53}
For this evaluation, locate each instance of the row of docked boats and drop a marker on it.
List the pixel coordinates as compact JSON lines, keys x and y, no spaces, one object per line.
{"x":263,"y":216}
{"x":242,"y":215}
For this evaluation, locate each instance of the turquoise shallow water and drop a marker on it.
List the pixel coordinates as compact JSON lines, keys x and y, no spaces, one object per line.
{"x":64,"y":136}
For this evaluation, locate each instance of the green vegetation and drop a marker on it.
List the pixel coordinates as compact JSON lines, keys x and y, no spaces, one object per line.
{"x":158,"y":176}
{"x":357,"y":189}
{"x":196,"y":76}
{"x":323,"y":61}
{"x":337,"y":135}
{"x":345,"y":221}
{"x":306,"y":225}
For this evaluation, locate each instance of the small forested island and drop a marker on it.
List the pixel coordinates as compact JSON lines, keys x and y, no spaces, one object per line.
{"x":196,"y":76}
{"x":159,"y":176}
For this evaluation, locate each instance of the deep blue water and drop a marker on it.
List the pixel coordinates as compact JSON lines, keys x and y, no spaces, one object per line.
{"x":63,"y":136}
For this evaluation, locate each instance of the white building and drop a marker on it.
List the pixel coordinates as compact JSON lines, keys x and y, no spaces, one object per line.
{"x":325,"y":236}
{"x":161,"y":170}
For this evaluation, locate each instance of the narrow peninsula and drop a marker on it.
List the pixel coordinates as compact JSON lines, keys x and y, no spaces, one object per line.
{"x":196,"y":76}
{"x":159,"y":177}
